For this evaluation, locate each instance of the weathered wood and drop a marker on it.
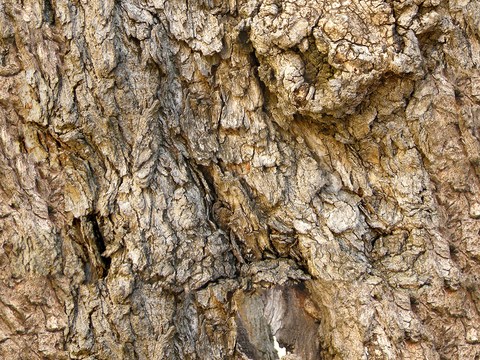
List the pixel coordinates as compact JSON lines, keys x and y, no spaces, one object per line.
{"x":187,"y":179}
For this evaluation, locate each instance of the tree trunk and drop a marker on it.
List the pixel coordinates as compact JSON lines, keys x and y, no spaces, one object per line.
{"x":221,"y":179}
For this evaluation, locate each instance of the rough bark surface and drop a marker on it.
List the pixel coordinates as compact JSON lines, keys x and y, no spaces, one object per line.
{"x":188,"y":179}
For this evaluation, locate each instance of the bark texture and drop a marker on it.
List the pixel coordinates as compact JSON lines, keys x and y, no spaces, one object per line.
{"x":186,"y":179}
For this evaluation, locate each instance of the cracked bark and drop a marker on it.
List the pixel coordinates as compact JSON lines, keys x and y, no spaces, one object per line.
{"x":190,"y":179}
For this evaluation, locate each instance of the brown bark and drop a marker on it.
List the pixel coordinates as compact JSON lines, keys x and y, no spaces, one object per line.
{"x":202,"y":179}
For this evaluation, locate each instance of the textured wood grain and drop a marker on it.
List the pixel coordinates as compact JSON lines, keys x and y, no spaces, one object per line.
{"x":187,"y":179}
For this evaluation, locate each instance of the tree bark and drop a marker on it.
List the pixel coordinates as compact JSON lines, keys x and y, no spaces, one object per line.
{"x":220,"y":179}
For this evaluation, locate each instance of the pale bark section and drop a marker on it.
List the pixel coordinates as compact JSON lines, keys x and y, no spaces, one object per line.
{"x":187,"y":179}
